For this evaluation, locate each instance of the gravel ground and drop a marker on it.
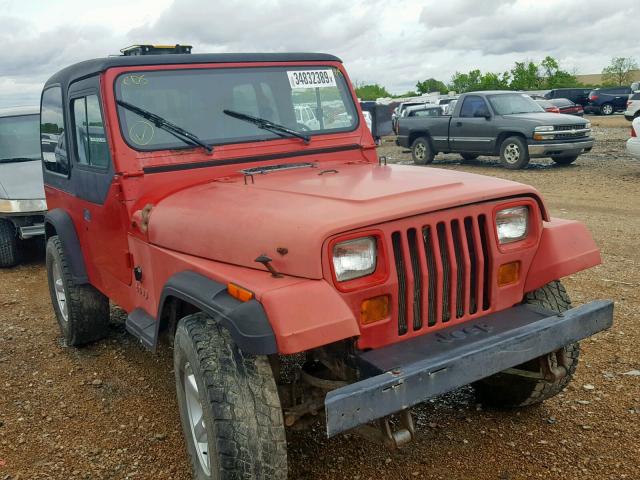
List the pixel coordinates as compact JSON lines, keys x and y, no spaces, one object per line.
{"x":109,"y":411}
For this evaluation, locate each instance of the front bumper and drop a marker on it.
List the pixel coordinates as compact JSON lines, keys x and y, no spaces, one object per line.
{"x":407,"y":373}
{"x":633,"y":146}
{"x":557,"y":149}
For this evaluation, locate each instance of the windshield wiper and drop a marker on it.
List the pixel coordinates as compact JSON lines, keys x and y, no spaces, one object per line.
{"x":18,"y":159}
{"x":265,"y":124}
{"x":160,"y":122}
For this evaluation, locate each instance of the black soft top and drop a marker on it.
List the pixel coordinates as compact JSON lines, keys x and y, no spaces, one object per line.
{"x":91,"y":67}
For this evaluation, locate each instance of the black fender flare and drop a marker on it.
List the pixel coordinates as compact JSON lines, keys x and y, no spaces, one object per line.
{"x":247,"y":322}
{"x":60,"y":221}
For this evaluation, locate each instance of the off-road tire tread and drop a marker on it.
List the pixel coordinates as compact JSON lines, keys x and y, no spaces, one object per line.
{"x":242,"y":393}
{"x":88,"y":309}
{"x":508,"y":391}
{"x":9,"y":248}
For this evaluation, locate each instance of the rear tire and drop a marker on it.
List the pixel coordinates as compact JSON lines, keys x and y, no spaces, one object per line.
{"x":607,"y":109}
{"x":81,"y":310}
{"x":469,"y":156}
{"x":565,"y":160}
{"x":9,"y":248}
{"x":514,"y":153}
{"x":229,"y":405}
{"x":421,"y":151}
{"x":511,"y":391}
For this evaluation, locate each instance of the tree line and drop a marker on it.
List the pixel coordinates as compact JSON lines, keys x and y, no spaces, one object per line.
{"x":525,"y":75}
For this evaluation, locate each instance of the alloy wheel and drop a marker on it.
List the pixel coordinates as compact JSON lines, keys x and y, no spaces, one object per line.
{"x":512,"y":153}
{"x":420,"y":151}
{"x":61,"y":295}
{"x":196,"y":417}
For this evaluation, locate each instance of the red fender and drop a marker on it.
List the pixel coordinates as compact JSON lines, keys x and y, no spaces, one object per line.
{"x":566,"y":247}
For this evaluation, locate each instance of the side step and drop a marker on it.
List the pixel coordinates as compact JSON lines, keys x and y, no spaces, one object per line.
{"x":142,"y":325}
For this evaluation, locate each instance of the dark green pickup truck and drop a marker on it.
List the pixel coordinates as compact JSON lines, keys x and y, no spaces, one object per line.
{"x":506,"y":124}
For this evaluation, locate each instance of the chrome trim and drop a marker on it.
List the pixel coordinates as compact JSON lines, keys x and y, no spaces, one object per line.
{"x":541,"y":149}
{"x":31,"y":231}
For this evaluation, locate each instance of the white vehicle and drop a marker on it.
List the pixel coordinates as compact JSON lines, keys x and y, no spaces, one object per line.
{"x":306,"y":116}
{"x":368,"y":120}
{"x":633,"y":107}
{"x":633,"y":144}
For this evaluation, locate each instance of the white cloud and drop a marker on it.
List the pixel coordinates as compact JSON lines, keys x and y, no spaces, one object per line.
{"x":393,"y":43}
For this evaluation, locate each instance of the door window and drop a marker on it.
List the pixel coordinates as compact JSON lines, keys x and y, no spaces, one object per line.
{"x":91,"y":141}
{"x":472,"y":106}
{"x":54,"y":151}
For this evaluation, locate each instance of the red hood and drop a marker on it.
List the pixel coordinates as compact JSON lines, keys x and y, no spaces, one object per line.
{"x":299,"y":209}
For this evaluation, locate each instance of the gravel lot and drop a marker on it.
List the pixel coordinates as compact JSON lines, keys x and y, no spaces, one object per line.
{"x":109,"y":411}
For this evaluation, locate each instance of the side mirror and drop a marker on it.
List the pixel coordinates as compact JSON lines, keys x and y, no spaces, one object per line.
{"x":482,"y":114}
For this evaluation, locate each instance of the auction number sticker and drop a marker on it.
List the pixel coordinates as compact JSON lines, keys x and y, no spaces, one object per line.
{"x":311,"y":78}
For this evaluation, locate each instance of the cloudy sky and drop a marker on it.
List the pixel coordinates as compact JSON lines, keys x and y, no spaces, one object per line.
{"x":392,"y":42}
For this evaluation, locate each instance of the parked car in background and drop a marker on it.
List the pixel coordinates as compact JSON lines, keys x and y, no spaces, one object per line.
{"x":22,"y":204}
{"x":547,"y":105}
{"x":445,"y":102}
{"x":398,"y":113}
{"x":424,"y":110}
{"x":579,"y":96}
{"x":306,"y":116}
{"x":607,"y":101}
{"x":633,"y":144}
{"x":633,"y":107}
{"x":499,"y":123}
{"x":567,"y":107}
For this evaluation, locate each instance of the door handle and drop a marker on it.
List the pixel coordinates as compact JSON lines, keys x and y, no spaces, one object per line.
{"x":458,"y":124}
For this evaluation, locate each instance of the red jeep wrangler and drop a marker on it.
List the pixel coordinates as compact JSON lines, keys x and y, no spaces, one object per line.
{"x":297,"y":275}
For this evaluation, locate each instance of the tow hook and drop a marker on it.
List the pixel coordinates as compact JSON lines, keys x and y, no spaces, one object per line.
{"x":385,"y":433}
{"x":553,"y":373}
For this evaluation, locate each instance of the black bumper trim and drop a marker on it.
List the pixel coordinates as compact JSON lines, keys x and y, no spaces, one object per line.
{"x":423,"y":367}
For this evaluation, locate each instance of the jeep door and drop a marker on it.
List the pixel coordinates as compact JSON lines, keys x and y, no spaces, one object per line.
{"x":101,"y":213}
{"x":473,"y":129}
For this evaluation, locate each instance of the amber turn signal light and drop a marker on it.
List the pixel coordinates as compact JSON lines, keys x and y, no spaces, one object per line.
{"x":508,"y":273}
{"x":374,"y":309}
{"x":240,"y":293}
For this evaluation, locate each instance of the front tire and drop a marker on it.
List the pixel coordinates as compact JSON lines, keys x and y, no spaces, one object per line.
{"x":9,"y":249}
{"x":504,"y":390}
{"x":607,"y":109}
{"x":514,"y":153}
{"x":81,"y":310}
{"x":421,"y":151}
{"x":565,"y":160}
{"x":229,"y":405}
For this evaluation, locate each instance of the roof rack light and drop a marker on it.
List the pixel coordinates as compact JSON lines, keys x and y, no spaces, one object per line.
{"x":134,"y":50}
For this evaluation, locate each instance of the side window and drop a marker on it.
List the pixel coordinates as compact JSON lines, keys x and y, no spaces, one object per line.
{"x":54,"y":151}
{"x":473,"y":106}
{"x":91,"y":141}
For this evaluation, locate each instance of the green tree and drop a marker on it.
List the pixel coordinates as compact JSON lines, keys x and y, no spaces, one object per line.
{"x":554,"y":76}
{"x":619,"y":71}
{"x":525,"y":76}
{"x":371,"y":92}
{"x":431,"y":85}
{"x":494,"y":81}
{"x":466,"y":82}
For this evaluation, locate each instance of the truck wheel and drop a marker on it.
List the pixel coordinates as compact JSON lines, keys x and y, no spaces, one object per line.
{"x":511,"y":391}
{"x":514,"y":153}
{"x":421,"y":151}
{"x":565,"y":160}
{"x":81,"y":310}
{"x":9,"y":251}
{"x":469,"y":156}
{"x":606,"y":109}
{"x":229,"y":405}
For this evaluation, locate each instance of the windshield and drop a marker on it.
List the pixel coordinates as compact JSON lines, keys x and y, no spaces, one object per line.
{"x":309,"y":100}
{"x":19,"y":138}
{"x":510,"y":103}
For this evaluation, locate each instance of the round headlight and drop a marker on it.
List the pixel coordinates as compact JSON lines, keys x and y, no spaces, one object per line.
{"x":354,"y":258}
{"x":512,"y":224}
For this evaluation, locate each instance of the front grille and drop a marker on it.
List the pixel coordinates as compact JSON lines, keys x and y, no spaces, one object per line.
{"x":443,"y":272}
{"x":560,"y":136}
{"x":569,"y":127}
